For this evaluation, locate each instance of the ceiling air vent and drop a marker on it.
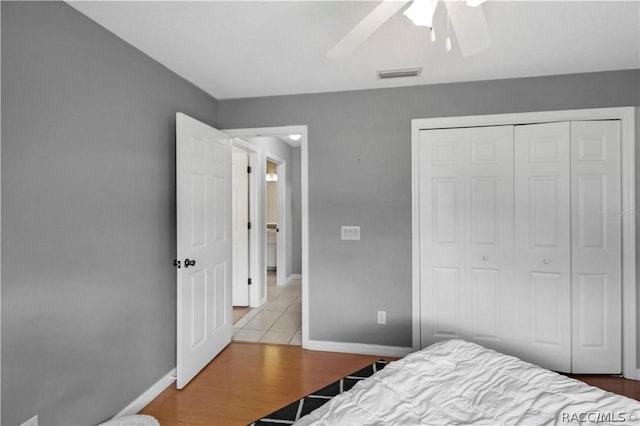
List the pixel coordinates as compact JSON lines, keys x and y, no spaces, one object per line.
{"x":407,"y":72}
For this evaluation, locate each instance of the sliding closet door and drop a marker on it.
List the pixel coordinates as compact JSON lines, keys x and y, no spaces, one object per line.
{"x":466,"y":234}
{"x":543,"y":244}
{"x":596,"y":260}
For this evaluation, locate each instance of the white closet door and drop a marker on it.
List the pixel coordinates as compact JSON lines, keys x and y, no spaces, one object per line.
{"x":488,"y":218}
{"x":543,"y":244}
{"x":596,"y":260}
{"x":466,"y":231}
{"x":442,"y":242}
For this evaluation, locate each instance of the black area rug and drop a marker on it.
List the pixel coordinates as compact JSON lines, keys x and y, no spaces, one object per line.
{"x":293,"y":412}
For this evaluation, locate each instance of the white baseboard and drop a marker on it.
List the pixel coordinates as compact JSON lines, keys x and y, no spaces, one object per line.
{"x":357,"y":348}
{"x":294,"y":277}
{"x":147,"y":396}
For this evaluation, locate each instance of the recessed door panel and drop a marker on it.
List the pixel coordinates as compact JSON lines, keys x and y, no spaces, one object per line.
{"x":198,"y":283}
{"x":446,"y":282}
{"x":198,"y":187}
{"x":446,"y":209}
{"x":486,"y":299}
{"x":445,"y":153}
{"x":591,"y":310}
{"x":484,"y":214}
{"x":544,"y":211}
{"x":219,"y":292}
{"x":484,"y":152}
{"x":592,"y":206}
{"x":546,"y":294}
{"x":220,"y":220}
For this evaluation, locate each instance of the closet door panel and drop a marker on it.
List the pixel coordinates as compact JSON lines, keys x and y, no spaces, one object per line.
{"x":596,"y":260}
{"x":489,"y":225}
{"x":543,"y":244}
{"x":442,"y":242}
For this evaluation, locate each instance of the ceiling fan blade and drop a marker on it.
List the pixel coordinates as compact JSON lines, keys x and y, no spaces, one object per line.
{"x":470,"y":26}
{"x":365,"y":28}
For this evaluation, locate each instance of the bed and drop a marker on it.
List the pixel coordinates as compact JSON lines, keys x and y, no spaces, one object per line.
{"x":456,"y":382}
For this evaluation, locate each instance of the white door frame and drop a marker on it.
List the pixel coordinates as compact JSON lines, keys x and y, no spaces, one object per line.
{"x":304,"y":189}
{"x":626,"y":115}
{"x":254,"y":236}
{"x":281,"y":235}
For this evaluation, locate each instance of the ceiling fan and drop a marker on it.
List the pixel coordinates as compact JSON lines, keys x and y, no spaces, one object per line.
{"x":467,"y":19}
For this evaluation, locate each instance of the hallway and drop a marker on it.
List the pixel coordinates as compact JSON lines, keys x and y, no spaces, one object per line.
{"x":277,"y":321}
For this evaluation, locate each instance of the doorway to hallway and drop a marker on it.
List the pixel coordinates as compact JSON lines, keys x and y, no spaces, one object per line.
{"x":277,"y":321}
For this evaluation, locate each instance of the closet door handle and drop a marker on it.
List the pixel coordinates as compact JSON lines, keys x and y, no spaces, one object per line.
{"x":188,"y":263}
{"x":546,"y":261}
{"x":485,"y":258}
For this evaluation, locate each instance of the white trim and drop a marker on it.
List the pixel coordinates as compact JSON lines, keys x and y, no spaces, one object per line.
{"x":415,"y":237}
{"x":304,"y":188}
{"x":626,"y":117}
{"x":254,"y":241}
{"x":149,"y":395}
{"x":358,"y":348}
{"x":294,"y":277}
{"x":628,"y":176}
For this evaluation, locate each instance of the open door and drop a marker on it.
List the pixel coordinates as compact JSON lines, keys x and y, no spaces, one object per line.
{"x":203,"y":198}
{"x":241,"y":225}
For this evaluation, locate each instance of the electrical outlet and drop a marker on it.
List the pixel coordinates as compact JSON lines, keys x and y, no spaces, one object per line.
{"x":382,"y":317}
{"x":33,"y":421}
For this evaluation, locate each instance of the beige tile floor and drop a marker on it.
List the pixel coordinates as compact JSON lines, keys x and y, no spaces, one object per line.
{"x":277,"y":321}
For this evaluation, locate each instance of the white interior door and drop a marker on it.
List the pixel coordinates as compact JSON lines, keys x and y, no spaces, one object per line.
{"x":543,"y":244}
{"x":203,"y":175}
{"x":489,"y":236}
{"x":596,"y":266}
{"x":466,"y":234}
{"x":240,"y":221}
{"x":442,"y":235}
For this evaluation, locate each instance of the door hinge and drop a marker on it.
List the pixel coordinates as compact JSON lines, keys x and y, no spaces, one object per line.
{"x":248,"y":169}
{"x":249,"y":281}
{"x":248,"y":225}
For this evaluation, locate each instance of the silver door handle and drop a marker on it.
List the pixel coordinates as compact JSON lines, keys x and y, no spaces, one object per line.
{"x":485,"y":258}
{"x":546,"y":261}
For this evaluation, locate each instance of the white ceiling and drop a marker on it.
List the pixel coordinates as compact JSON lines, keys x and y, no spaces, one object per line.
{"x":236,"y":49}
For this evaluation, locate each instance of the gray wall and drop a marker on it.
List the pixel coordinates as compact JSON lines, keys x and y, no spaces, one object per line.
{"x":360,"y":174}
{"x":296,"y":211}
{"x":88,"y":216}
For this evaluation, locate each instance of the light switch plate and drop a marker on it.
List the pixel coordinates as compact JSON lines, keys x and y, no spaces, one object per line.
{"x":350,"y":232}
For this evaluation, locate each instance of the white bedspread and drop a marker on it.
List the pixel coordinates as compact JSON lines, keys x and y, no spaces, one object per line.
{"x":460,"y":383}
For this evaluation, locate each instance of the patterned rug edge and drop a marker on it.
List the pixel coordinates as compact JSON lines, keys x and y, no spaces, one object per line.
{"x":291,"y":413}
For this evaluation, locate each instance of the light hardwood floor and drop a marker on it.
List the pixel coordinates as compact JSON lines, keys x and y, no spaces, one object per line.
{"x":248,"y":380}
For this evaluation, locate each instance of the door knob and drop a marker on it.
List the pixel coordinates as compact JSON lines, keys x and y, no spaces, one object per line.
{"x":485,"y":258}
{"x":546,"y":261}
{"x":176,"y":263}
{"x":188,"y":263}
